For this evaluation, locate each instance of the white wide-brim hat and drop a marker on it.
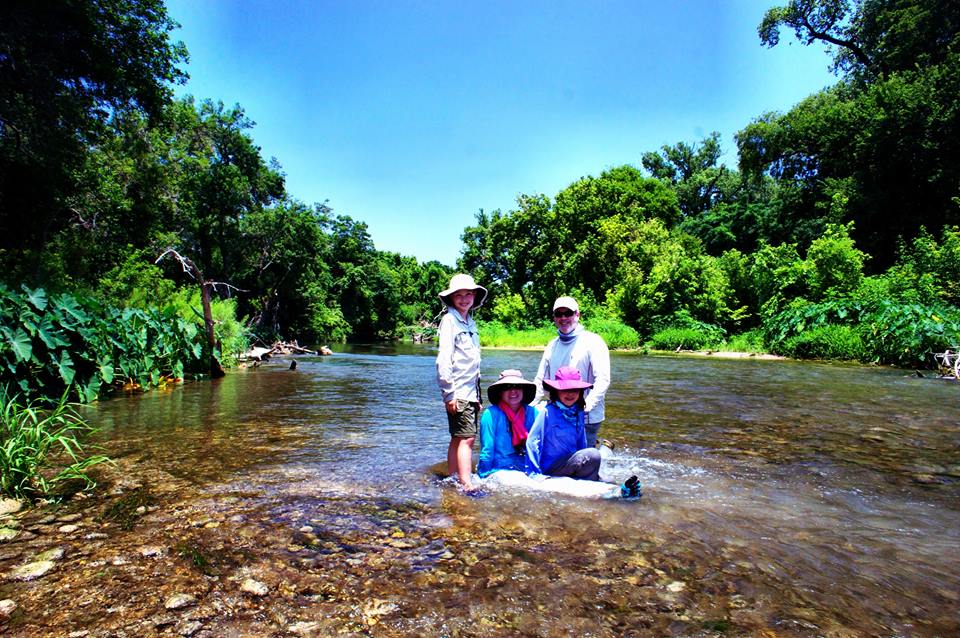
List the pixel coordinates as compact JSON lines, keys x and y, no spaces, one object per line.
{"x":461,"y":281}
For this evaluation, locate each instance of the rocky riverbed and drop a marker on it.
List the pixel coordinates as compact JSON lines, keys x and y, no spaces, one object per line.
{"x":300,"y":557}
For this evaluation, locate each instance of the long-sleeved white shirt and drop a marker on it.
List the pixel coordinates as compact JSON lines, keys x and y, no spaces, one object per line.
{"x":589,"y":354}
{"x":458,"y":358}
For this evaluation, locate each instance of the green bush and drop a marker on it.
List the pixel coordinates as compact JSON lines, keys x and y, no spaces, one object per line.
{"x":680,"y":338}
{"x":681,"y":330}
{"x":31,"y":437}
{"x":895,"y":333}
{"x":510,"y":310}
{"x":495,"y":334}
{"x":750,"y":341}
{"x":907,"y":334}
{"x":615,"y":333}
{"x":48,"y":344}
{"x":231,"y":334}
{"x":826,"y":342}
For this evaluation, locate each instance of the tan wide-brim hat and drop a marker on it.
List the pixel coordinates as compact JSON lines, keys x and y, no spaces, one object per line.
{"x":464,"y":282}
{"x":508,"y":378}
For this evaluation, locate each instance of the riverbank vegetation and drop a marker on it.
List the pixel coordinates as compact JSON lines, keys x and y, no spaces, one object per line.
{"x":36,"y":439}
{"x":835,"y":236}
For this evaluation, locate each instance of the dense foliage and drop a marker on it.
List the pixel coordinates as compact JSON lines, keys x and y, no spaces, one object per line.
{"x":55,"y":343}
{"x":835,"y":235}
{"x":822,"y":244}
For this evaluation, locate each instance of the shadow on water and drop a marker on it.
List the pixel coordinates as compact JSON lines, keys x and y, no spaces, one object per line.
{"x":780,"y":499}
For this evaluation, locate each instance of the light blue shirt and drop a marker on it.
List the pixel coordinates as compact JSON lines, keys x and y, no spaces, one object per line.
{"x":458,"y":358}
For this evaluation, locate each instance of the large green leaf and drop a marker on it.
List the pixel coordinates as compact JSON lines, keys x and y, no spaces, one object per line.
{"x":19,"y":342}
{"x":65,"y":366}
{"x":69,"y":305}
{"x":106,"y":370}
{"x":38,"y":298}
{"x":90,"y":391}
{"x":50,"y":335}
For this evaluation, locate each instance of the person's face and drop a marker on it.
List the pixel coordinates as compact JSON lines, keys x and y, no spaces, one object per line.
{"x":462,"y":300}
{"x":568,"y":397}
{"x":513,"y":396}
{"x":565,"y":319}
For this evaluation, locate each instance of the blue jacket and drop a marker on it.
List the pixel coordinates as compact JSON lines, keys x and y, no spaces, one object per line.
{"x":496,"y":441}
{"x":553,"y":440}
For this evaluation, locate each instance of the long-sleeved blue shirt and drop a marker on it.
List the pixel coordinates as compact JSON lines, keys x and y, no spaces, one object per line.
{"x":553,"y":439}
{"x":496,"y":441}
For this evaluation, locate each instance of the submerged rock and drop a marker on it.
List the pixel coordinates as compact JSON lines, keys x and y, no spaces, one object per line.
{"x":31,"y":571}
{"x":54,"y":553}
{"x":150,"y":551}
{"x":180,"y":601}
{"x":254,"y":587}
{"x":189,"y":628}
{"x":305,"y":629}
{"x":7,"y":607}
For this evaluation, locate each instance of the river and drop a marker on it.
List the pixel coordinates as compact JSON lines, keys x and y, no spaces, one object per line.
{"x":780,"y":499}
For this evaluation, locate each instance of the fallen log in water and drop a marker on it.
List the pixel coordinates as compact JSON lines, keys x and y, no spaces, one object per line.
{"x":261,"y":353}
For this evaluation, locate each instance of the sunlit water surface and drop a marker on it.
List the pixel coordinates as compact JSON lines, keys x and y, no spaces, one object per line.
{"x":780,"y":498}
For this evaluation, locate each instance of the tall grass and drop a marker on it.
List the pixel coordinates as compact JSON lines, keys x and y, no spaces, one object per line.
{"x":32,"y":439}
{"x":495,"y":334}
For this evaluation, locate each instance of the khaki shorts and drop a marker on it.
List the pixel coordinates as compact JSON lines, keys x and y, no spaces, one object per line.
{"x":465,"y":423}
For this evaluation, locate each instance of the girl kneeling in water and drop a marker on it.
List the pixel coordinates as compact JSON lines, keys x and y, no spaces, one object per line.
{"x":557,"y":443}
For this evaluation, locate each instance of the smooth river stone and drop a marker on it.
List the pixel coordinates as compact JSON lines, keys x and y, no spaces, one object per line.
{"x":31,"y":571}
{"x":254,"y":587}
{"x":179,"y":601}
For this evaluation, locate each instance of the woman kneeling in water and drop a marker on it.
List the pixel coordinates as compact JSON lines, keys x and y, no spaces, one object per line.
{"x":557,"y":443}
{"x":505,"y":424}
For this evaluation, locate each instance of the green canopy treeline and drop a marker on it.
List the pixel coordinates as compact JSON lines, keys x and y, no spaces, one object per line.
{"x":836,"y":230}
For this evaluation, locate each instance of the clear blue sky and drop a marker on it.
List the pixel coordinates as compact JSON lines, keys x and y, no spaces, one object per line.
{"x":413,"y":115}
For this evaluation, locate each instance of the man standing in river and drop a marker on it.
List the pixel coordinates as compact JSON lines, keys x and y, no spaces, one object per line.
{"x":581,"y":349}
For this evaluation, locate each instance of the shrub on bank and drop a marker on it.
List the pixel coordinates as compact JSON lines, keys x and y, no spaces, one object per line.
{"x":750,"y":341}
{"x":826,"y":342}
{"x":903,"y":334}
{"x":680,"y":339}
{"x":495,"y":334}
{"x":616,"y":334}
{"x":51,"y":343}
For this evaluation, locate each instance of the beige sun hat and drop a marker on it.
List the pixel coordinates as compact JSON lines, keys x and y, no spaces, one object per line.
{"x":509,"y":378}
{"x":461,"y":281}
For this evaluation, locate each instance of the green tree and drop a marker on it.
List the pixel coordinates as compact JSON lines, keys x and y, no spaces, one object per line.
{"x":836,"y":265}
{"x":881,"y":142}
{"x":286,"y":268}
{"x":65,"y":67}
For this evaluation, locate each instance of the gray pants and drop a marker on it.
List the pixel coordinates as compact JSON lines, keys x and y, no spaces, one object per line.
{"x":592,"y":430}
{"x":583,"y":464}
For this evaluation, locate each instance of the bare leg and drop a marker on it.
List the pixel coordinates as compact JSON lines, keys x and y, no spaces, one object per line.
{"x":460,"y":460}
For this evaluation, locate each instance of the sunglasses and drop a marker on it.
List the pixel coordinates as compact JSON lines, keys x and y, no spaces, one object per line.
{"x":563,"y":313}
{"x":512,"y":387}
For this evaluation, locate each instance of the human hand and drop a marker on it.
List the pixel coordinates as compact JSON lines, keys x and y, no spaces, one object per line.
{"x":451,"y":406}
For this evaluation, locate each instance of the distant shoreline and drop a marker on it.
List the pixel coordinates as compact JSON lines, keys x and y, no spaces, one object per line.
{"x":718,"y":354}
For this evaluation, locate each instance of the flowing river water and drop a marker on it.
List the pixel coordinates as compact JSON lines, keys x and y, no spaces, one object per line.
{"x":780,"y":499}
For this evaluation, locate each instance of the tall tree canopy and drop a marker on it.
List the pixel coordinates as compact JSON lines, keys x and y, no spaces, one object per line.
{"x":882,"y":147}
{"x":65,"y":68}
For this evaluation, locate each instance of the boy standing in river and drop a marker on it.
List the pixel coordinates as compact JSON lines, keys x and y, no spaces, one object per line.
{"x":458,"y":372}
